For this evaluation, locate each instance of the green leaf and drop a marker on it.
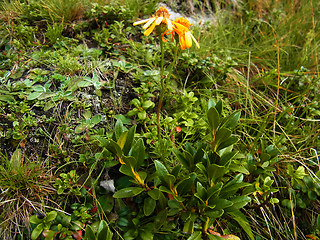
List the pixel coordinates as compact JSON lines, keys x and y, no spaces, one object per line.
{"x":149,"y":206}
{"x":146,"y":234}
{"x":228,"y":142}
{"x":114,"y":148}
{"x":161,"y":170}
{"x":169,"y":179}
{"x":221,"y":135}
{"x":128,"y":192}
{"x":243,"y":222}
{"x":148,"y":104}
{"x":51,"y":216}
{"x":215,"y":172}
{"x":214,"y":214}
{"x":132,"y":112}
{"x":138,"y":152}
{"x":84,"y":84}
{"x":221,"y":203}
{"x":135,"y":102}
{"x":35,"y":220}
{"x":238,"y":203}
{"x":81,"y":128}
{"x":37,"y":231}
{"x":89,"y":234}
{"x":188,"y":226}
{"x":213,"y":119}
{"x":129,"y":140}
{"x":195,"y":236}
{"x":154,"y":193}
{"x":46,"y":95}
{"x":318,"y":222}
{"x":201,"y":192}
{"x":119,"y":129}
{"x":104,"y":232}
{"x":186,"y":184}
{"x":122,"y":139}
{"x":33,"y":95}
{"x":160,"y":219}
{"x":7,"y":98}
{"x":106,"y":203}
{"x":227,"y":157}
{"x":182,"y":159}
{"x":232,"y":120}
{"x":142,"y":115}
{"x":16,"y":159}
{"x":96,"y":119}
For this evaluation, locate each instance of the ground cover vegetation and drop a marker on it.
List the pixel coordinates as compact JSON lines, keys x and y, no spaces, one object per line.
{"x":120,"y":122}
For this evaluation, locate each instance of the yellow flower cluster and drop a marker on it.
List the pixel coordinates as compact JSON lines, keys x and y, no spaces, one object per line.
{"x":179,"y":26}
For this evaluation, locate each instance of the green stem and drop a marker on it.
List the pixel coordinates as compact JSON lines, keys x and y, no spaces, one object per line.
{"x":162,"y":79}
{"x":162,"y":86}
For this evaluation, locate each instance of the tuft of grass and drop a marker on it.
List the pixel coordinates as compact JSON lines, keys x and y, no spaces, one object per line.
{"x":24,"y":187}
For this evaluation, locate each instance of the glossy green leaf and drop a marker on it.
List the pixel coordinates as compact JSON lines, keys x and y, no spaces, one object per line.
{"x":7,"y":98}
{"x":35,"y":220}
{"x":33,"y":95}
{"x":89,"y":234}
{"x":119,"y":129}
{"x":148,"y":206}
{"x":227,"y":157}
{"x":195,"y":236}
{"x":221,"y":135}
{"x":161,"y":170}
{"x":176,"y":170}
{"x":214,"y":191}
{"x":96,"y":119}
{"x":122,"y":139}
{"x":138,"y":152}
{"x":128,"y":192}
{"x":201,"y":192}
{"x":135,"y":102}
{"x":37,"y":231}
{"x":154,"y":193}
{"x":148,"y":104}
{"x":214,"y":214}
{"x":182,"y":159}
{"x":51,"y":216}
{"x":106,"y":203}
{"x":142,"y":115}
{"x":238,"y":203}
{"x":104,"y":232}
{"x":186,"y":184}
{"x":129,"y":140}
{"x":232,"y":120}
{"x":220,"y":203}
{"x":213,"y":119}
{"x":188,"y":226}
{"x":243,"y":222}
{"x":228,"y":142}
{"x":114,"y":148}
{"x":215,"y":172}
{"x":133,"y":112}
{"x":160,"y":219}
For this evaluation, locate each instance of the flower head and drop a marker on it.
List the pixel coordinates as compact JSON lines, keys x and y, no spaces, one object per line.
{"x":181,"y":27}
{"x":162,"y":16}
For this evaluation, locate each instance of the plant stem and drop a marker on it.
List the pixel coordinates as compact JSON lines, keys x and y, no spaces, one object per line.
{"x":162,"y":87}
{"x":162,"y":79}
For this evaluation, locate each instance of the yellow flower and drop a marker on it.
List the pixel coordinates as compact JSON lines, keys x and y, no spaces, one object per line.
{"x":162,"y":16}
{"x":181,"y":27}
